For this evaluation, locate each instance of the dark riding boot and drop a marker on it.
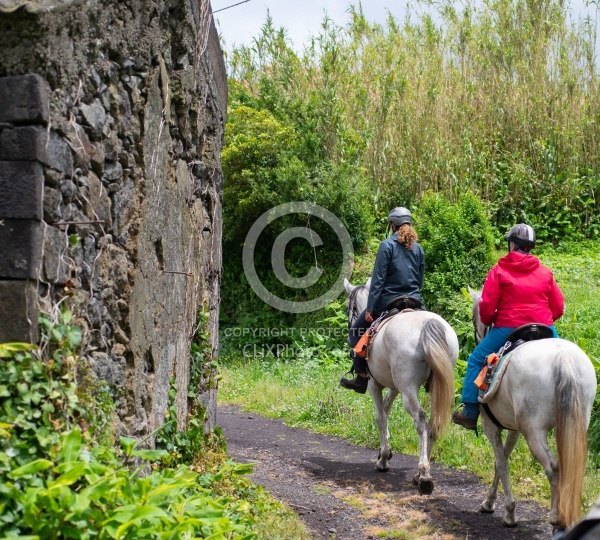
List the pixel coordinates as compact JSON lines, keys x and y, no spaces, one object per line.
{"x":358,"y":384}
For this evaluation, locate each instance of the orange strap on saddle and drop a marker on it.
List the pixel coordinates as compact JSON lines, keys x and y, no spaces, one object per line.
{"x":361,"y":347}
{"x":484,"y":378}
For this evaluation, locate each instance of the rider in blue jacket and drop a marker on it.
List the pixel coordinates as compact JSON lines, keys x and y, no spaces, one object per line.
{"x":398,"y":271}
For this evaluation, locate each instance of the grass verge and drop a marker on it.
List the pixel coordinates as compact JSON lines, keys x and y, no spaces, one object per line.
{"x":308,"y":396}
{"x":305,"y":393}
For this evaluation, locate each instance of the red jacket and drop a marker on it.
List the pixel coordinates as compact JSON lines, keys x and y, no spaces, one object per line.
{"x":520,"y":290}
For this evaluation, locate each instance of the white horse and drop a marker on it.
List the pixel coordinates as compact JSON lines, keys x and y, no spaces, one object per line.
{"x":412,"y":349}
{"x":548,"y":384}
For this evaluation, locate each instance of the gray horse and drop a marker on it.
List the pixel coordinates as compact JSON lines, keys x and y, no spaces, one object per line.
{"x":413,"y":348}
{"x":547,"y":384}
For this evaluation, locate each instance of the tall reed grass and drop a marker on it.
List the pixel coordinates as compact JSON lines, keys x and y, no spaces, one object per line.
{"x":499,"y":97}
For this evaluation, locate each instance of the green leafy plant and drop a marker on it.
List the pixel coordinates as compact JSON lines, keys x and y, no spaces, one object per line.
{"x":326,"y":342}
{"x":184,"y":446}
{"x":273,"y":155}
{"x":59,"y":481}
{"x":81,"y":491}
{"x":38,"y":398}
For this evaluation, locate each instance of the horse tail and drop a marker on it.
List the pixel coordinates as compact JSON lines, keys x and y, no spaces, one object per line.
{"x":571,"y":437}
{"x":441,"y":385}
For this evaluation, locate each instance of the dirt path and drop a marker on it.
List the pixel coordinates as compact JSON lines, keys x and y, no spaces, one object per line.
{"x":335,"y":489}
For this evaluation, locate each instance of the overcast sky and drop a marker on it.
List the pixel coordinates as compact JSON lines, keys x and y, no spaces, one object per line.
{"x":301,"y":18}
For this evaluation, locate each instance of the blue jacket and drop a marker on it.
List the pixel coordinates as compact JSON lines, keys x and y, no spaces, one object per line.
{"x":397,"y":272}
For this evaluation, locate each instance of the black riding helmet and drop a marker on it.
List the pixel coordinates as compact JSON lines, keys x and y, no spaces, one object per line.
{"x":400,"y":215}
{"x":523,"y":236}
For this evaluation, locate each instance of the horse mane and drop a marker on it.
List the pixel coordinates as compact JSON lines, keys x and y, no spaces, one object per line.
{"x":481,"y":329}
{"x":351,"y":308}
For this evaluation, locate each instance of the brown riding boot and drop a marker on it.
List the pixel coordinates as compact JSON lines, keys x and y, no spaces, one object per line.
{"x":460,"y":419}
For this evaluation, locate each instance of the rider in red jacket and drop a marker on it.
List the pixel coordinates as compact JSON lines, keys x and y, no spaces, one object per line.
{"x":520,"y":290}
{"x":517,"y":290}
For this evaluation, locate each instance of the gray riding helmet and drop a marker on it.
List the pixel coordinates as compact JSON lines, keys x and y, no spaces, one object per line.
{"x":522,"y":235}
{"x":400,"y":215}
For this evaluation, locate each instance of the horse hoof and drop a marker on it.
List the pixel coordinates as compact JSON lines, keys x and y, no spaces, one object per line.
{"x":382,"y":469}
{"x":415,"y":480}
{"x":426,"y":487}
{"x":484,"y":510}
{"x":509,"y":525}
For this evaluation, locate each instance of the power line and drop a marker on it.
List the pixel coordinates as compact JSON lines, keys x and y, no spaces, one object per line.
{"x":233,"y":5}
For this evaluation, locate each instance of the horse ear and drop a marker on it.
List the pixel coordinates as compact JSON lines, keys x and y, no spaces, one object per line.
{"x":475,"y":295}
{"x":348,"y":286}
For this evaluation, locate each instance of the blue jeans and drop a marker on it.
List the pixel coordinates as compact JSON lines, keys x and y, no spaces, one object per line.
{"x":489,"y":344}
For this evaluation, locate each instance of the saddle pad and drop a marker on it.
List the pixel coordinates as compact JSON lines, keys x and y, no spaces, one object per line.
{"x":496,"y":379}
{"x":375,"y":333}
{"x":378,"y":328}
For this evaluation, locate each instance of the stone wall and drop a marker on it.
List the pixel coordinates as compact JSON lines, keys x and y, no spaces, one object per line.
{"x":111,"y":126}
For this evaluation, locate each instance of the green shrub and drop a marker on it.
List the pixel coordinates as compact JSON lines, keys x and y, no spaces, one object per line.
{"x":60,"y":480}
{"x":458,"y":243}
{"x":38,"y":395}
{"x":266,"y":163}
{"x":80,"y":492}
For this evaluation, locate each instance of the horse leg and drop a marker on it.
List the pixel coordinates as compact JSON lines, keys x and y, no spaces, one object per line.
{"x":538,"y":446}
{"x":501,"y":454}
{"x":432,"y":438}
{"x":488,"y":506}
{"x":383,"y":407}
{"x":388,"y":401}
{"x":413,"y":407}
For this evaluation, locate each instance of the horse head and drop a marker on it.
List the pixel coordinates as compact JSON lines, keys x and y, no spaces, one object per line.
{"x":357,"y":299}
{"x":481,"y":330}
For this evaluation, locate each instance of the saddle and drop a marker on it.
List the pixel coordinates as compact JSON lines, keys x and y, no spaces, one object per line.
{"x":491,"y":374}
{"x":403,"y":302}
{"x":399,"y":304}
{"x":527,"y":332}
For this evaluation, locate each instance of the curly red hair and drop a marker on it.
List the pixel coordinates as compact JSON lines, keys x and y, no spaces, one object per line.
{"x":407,"y":236}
